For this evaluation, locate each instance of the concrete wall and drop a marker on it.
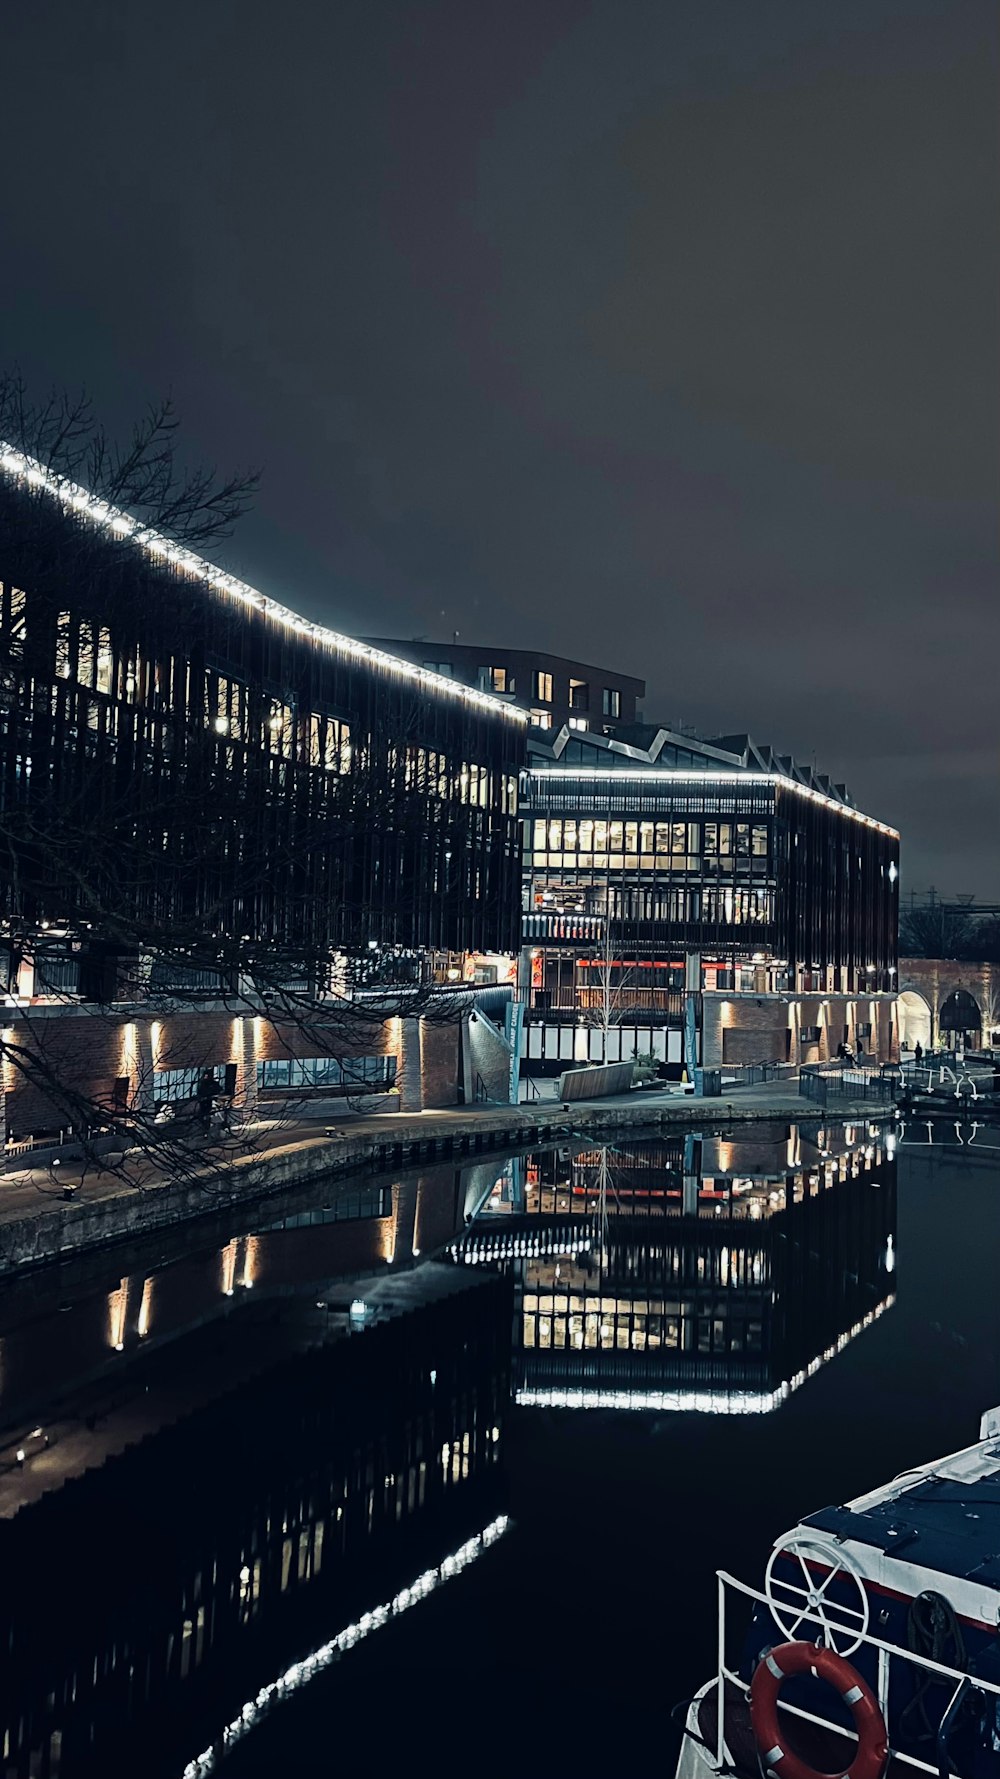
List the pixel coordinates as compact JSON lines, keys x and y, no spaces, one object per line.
{"x":767,"y":1028}
{"x":486,"y":1059}
{"x":596,"y":1083}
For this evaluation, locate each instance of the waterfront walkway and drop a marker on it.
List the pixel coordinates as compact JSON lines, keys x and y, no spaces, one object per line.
{"x":48,"y":1213}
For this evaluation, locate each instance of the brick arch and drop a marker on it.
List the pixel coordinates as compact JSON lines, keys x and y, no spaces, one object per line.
{"x":914,"y":1017}
{"x":938,"y":978}
{"x":969,"y":1004}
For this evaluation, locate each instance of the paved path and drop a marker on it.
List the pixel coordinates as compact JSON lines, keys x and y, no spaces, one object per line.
{"x":277,"y":1154}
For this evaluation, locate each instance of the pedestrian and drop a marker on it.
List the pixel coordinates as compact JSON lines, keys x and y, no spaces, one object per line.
{"x":918,"y":1052}
{"x":861,"y":1047}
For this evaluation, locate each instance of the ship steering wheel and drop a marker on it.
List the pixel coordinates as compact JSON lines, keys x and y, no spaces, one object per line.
{"x":801,"y":1605}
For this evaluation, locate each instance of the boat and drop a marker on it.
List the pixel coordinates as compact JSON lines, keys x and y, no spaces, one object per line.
{"x":873,"y":1646}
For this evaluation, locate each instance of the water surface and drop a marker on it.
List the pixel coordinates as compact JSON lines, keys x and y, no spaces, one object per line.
{"x":654,"y":1356}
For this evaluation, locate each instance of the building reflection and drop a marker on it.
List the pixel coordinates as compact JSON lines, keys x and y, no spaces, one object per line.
{"x":214,"y":1512}
{"x":707,"y":1273}
{"x":73,"y":1324}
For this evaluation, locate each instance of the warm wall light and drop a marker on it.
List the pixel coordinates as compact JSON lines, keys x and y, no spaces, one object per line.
{"x":145,"y":1309}
{"x":229,"y":1268}
{"x":117,"y":1313}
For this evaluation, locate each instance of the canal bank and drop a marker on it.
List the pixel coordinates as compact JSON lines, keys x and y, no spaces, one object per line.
{"x":43,"y":1219}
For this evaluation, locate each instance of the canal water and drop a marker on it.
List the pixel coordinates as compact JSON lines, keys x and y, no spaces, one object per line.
{"x":474,"y":1440}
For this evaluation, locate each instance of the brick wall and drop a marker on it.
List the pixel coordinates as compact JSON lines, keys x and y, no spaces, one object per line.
{"x":934,"y":979}
{"x":88,"y":1051}
{"x":439,"y":1063}
{"x":741,"y":1029}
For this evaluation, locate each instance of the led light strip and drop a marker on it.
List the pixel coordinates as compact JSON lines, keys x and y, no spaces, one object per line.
{"x":738,"y":1402}
{"x":19,"y":465}
{"x":300,"y":1673}
{"x":680,"y":774}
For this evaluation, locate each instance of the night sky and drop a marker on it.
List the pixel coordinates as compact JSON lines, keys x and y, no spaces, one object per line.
{"x":658,"y":332}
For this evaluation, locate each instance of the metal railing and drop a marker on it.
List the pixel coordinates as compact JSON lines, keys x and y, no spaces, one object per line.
{"x":629,"y":1007}
{"x":886,"y":1653}
{"x":826,"y":1086}
{"x":750,"y":1074}
{"x":586,"y":928}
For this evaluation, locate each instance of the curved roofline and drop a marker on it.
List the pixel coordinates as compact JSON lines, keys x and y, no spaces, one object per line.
{"x":162,"y":549}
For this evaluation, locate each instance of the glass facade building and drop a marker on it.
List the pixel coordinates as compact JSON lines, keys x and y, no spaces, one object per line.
{"x":657,"y":867}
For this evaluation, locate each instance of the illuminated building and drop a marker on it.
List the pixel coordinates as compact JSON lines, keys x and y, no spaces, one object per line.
{"x":696,"y":1274}
{"x":667,"y":877}
{"x":190,"y":774}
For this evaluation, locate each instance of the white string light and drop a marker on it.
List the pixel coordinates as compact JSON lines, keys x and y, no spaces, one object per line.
{"x":22,"y":467}
{"x":300,"y":1673}
{"x":679,"y":774}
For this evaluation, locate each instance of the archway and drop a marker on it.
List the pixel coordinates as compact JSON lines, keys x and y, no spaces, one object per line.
{"x":914,"y":1016}
{"x":961,"y":1019}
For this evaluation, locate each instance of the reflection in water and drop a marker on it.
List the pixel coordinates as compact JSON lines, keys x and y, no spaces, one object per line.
{"x":209,"y":1491}
{"x":200,"y":1513}
{"x":713,"y":1274}
{"x":300,"y":1673}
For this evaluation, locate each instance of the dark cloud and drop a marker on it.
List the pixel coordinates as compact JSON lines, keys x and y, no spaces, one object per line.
{"x":661,"y":334}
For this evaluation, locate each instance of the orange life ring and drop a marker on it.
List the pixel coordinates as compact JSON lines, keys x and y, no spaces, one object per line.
{"x":811,"y":1658}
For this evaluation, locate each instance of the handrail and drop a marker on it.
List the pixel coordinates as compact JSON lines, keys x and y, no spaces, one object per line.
{"x":886,"y":1651}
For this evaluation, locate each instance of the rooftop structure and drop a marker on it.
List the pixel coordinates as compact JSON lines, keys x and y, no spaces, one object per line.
{"x":551,"y":689}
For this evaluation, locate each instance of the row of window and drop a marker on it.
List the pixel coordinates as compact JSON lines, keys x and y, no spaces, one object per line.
{"x":315,"y":740}
{"x":501,"y":679}
{"x":85,"y":657}
{"x":327,"y":1071}
{"x":678,"y":905}
{"x":664,"y":839}
{"x":301,"y":1072}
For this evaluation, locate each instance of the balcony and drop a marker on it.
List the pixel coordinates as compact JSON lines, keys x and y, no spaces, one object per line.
{"x":638,"y":1006}
{"x":585,"y":929}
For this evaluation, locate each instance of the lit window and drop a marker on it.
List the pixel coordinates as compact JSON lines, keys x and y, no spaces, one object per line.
{"x":542,"y":719}
{"x":579,"y":694}
{"x":578,"y":723}
{"x":543,"y":687}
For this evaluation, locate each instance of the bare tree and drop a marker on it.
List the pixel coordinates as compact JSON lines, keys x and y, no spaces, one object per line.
{"x":607,"y":998}
{"x":935,"y":930}
{"x":144,"y":477}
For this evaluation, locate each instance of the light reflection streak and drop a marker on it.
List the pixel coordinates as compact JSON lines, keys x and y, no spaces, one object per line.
{"x":300,"y":1673}
{"x":117,"y":1313}
{"x":703,"y":1402}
